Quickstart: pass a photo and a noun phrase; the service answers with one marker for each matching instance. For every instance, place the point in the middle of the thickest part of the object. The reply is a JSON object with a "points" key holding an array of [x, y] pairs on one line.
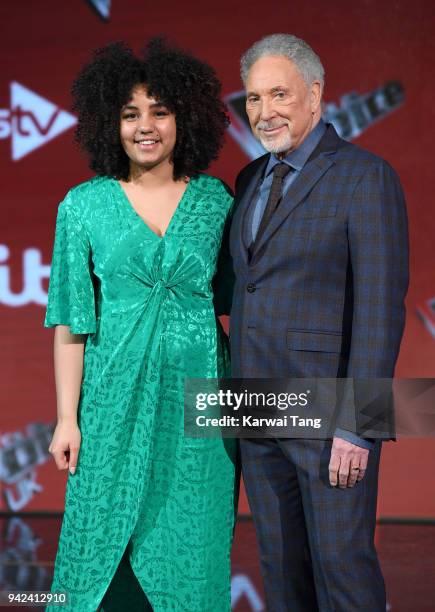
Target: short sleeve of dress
{"points": [[71, 299]]}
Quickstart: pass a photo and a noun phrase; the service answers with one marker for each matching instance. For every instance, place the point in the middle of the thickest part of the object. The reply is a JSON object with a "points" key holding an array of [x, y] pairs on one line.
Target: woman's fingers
{"points": [[73, 457], [59, 456], [65, 447]]}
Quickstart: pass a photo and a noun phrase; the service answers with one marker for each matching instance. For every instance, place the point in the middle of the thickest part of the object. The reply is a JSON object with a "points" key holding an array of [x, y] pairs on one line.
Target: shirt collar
{"points": [[297, 159]]}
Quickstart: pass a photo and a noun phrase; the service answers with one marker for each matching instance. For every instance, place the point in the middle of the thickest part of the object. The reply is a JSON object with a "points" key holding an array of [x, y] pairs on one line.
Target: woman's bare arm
{"points": [[68, 371]]}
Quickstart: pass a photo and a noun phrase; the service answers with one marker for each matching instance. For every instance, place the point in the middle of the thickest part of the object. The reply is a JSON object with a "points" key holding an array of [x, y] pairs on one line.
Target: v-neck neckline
{"points": [[142, 220]]}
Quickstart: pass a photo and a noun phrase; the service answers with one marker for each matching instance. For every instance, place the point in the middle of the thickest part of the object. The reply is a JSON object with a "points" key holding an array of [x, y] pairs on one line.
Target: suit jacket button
{"points": [[250, 287]]}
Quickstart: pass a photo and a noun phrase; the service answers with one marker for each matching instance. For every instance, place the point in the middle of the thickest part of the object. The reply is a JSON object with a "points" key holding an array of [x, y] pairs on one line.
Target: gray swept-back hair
{"points": [[295, 49]]}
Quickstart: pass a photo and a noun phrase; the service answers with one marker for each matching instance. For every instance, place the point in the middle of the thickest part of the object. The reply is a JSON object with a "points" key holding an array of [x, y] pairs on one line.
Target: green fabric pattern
{"points": [[147, 304]]}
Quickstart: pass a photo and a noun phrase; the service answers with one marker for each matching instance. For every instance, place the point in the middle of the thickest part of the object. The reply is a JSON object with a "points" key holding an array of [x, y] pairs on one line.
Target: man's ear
{"points": [[315, 95]]}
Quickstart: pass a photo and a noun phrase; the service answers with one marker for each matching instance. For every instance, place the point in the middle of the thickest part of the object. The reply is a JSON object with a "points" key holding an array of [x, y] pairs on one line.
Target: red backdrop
{"points": [[363, 46]]}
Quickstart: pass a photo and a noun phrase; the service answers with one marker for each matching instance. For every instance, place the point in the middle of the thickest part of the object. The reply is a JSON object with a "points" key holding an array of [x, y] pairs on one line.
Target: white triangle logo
{"points": [[35, 120], [102, 7], [241, 586]]}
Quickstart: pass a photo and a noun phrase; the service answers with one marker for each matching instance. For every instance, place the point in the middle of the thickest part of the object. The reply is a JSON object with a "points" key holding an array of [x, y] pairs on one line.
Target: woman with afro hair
{"points": [[149, 513]]}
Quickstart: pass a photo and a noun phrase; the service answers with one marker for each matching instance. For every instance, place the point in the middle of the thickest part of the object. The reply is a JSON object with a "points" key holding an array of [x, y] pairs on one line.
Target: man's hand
{"points": [[348, 463]]}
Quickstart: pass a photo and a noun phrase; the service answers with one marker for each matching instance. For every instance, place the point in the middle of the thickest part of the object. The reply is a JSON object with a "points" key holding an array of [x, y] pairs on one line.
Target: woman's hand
{"points": [[65, 445]]}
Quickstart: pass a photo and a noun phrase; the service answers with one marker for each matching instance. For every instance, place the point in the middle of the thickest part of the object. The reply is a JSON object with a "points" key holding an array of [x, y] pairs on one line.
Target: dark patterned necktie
{"points": [[280, 171]]}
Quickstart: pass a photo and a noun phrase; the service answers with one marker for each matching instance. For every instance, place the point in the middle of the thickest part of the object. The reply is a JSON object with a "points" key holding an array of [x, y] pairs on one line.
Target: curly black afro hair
{"points": [[187, 86]]}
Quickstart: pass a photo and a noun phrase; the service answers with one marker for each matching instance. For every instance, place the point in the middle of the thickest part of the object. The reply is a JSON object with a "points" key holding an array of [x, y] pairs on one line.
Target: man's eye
{"points": [[252, 100], [280, 94]]}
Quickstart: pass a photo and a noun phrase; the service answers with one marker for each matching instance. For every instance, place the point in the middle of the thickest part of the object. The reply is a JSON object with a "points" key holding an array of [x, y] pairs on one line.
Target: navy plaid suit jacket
{"points": [[323, 295]]}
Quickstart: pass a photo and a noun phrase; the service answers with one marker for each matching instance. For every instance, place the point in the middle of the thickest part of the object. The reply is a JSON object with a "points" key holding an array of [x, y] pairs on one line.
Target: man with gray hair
{"points": [[320, 253]]}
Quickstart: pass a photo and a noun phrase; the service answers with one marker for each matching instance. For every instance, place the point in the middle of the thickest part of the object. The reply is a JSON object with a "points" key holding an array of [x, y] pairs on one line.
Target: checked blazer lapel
{"points": [[319, 162], [247, 189]]}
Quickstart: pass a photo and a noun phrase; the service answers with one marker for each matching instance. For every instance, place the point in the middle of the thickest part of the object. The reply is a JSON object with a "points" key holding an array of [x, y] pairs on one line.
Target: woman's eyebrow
{"points": [[154, 104]]}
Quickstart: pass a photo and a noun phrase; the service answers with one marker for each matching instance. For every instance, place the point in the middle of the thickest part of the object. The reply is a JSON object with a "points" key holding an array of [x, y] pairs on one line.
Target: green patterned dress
{"points": [[147, 304]]}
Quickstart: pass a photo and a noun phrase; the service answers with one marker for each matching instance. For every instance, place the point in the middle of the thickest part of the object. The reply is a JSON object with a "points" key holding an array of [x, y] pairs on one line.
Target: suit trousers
{"points": [[316, 542]]}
